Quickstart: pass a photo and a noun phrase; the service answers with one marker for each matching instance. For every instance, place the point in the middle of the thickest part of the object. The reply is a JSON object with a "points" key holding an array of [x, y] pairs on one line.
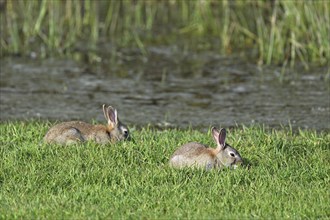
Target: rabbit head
{"points": [[116, 129], [227, 156]]}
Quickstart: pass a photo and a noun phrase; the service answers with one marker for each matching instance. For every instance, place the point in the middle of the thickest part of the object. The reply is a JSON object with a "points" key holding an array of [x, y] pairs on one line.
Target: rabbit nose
{"points": [[126, 134], [239, 161]]}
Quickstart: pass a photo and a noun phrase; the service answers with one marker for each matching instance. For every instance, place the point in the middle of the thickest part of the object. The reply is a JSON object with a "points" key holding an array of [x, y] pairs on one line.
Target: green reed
{"points": [[276, 32]]}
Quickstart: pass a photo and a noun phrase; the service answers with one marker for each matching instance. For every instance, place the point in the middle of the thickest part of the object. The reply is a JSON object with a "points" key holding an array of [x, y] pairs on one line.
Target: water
{"points": [[168, 88]]}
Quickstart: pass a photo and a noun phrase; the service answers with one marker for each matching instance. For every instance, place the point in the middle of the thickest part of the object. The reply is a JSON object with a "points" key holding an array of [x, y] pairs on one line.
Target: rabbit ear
{"points": [[112, 116], [215, 134], [105, 112], [220, 138]]}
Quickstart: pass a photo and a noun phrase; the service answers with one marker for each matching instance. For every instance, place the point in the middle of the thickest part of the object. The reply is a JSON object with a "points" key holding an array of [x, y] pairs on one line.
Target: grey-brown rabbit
{"points": [[199, 155], [78, 131]]}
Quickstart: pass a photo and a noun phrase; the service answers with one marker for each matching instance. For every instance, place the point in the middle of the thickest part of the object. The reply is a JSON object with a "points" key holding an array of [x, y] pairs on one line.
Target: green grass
{"points": [[287, 177], [272, 32]]}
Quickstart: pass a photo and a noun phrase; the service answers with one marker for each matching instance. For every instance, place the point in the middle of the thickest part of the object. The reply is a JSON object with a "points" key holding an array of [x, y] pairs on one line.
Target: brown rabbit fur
{"points": [[78, 131], [199, 155]]}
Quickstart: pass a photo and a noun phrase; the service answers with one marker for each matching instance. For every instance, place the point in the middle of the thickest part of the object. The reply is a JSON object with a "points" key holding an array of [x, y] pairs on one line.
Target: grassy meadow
{"points": [[286, 176], [272, 32]]}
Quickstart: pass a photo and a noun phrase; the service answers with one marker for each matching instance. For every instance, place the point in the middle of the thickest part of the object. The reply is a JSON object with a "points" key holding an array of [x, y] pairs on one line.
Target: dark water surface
{"points": [[166, 88]]}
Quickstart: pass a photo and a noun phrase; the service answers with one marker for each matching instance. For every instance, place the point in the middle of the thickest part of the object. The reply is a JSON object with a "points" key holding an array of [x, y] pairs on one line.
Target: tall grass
{"points": [[277, 32], [287, 177]]}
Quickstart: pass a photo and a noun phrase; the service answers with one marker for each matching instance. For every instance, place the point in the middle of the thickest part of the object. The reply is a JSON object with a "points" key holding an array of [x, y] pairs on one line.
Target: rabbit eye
{"points": [[232, 154]]}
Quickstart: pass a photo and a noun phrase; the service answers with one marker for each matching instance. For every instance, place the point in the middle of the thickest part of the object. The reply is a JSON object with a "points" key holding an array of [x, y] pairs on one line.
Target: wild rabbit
{"points": [[78, 131], [198, 155]]}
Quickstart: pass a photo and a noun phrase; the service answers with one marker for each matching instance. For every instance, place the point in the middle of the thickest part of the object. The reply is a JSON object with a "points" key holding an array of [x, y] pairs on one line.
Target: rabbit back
{"points": [[193, 154], [76, 131]]}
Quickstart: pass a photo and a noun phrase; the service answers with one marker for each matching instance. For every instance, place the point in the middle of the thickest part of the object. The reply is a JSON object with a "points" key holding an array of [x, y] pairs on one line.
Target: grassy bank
{"points": [[280, 32], [288, 177]]}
